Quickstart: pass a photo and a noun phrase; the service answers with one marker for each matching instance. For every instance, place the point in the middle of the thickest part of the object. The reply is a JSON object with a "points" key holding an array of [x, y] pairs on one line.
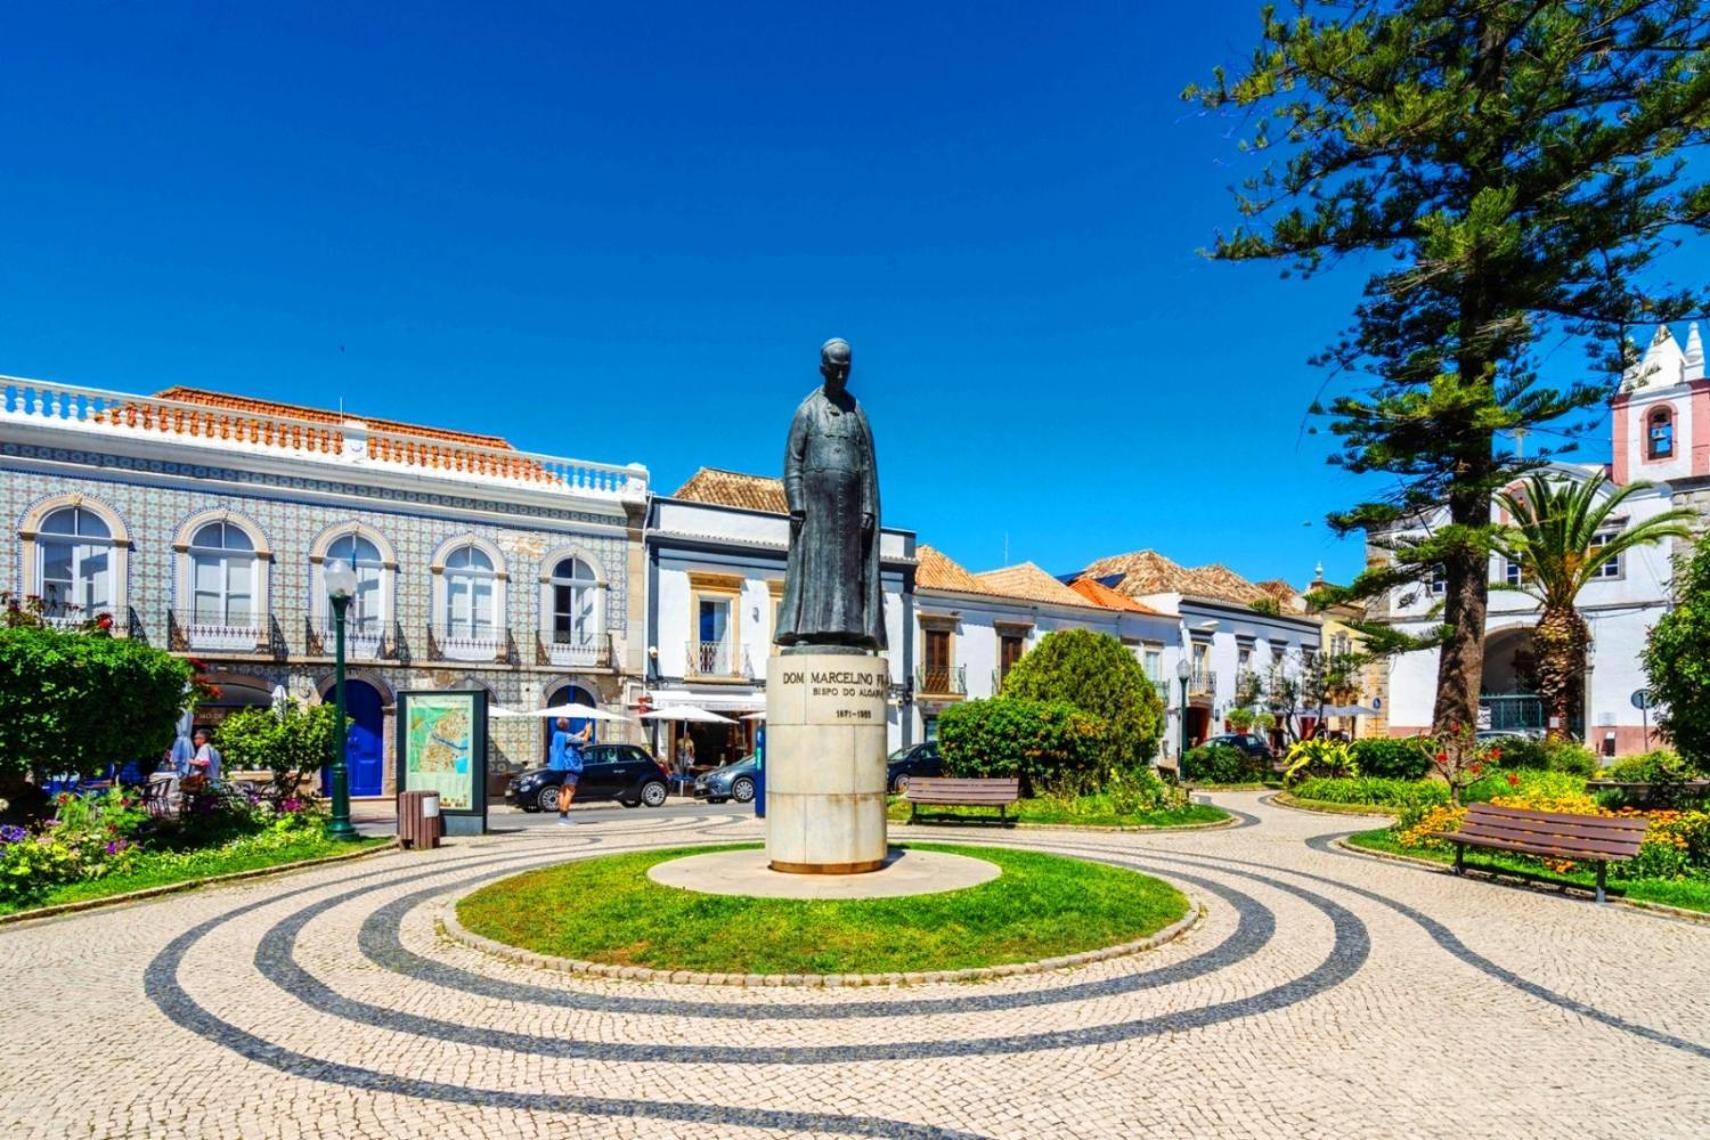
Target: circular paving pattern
{"points": [[1321, 995]]}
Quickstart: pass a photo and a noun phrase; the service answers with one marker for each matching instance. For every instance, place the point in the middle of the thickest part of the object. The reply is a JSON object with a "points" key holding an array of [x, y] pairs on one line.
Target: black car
{"points": [[916, 760], [621, 772], [1254, 746]]}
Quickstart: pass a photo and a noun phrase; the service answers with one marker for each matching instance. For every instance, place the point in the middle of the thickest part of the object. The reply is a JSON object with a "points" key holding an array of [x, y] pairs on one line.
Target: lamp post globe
{"points": [[1184, 673], [341, 587]]}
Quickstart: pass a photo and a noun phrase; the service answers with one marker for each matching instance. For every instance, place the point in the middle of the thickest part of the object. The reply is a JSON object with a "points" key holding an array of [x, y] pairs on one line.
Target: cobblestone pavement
{"points": [[1323, 995]]}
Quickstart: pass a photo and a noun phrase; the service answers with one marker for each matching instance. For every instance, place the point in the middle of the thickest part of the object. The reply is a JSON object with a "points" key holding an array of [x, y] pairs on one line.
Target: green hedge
{"points": [[1374, 790], [1221, 764], [1097, 674], [1546, 756], [1398, 758], [1051, 745]]}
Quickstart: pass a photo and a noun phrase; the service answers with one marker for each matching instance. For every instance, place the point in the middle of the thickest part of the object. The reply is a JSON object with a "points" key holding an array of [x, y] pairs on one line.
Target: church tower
{"points": [[1662, 421]]}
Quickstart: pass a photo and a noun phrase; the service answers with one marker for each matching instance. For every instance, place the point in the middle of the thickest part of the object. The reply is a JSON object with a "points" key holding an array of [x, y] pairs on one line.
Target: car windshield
{"points": [[899, 754]]}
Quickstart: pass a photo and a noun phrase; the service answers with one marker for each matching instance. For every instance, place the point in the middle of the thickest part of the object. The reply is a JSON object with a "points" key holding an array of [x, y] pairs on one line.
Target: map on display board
{"points": [[441, 739]]}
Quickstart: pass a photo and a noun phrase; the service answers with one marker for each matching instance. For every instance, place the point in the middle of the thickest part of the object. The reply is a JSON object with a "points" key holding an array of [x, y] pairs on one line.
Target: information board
{"points": [[442, 747]]}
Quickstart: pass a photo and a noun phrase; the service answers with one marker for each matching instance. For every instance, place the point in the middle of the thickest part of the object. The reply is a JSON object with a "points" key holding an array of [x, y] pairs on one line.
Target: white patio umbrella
{"points": [[687, 713], [755, 716], [574, 712]]}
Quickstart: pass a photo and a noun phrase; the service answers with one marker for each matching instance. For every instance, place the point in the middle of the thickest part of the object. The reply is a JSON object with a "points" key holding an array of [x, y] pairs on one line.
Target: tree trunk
{"points": [[1466, 599], [1560, 640]]}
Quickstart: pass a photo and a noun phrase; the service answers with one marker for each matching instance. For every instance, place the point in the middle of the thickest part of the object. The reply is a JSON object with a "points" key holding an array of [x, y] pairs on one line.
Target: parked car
{"points": [[915, 760], [731, 782], [622, 772], [1253, 745], [1490, 735]]}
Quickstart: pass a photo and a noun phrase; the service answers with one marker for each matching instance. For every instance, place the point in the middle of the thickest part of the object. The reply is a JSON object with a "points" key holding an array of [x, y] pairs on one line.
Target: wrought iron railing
{"points": [[1203, 683], [490, 643], [716, 659], [572, 651], [941, 680]]}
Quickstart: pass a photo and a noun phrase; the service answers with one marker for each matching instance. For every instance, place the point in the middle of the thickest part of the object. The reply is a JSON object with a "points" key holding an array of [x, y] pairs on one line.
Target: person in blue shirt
{"points": [[565, 756]]}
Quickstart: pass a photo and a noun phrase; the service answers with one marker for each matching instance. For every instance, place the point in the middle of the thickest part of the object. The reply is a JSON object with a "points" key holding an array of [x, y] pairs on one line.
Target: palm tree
{"points": [[1552, 533]]}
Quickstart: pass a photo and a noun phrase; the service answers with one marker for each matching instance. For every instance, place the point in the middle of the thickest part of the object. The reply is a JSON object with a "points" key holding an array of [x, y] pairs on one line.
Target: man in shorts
{"points": [[565, 756]]}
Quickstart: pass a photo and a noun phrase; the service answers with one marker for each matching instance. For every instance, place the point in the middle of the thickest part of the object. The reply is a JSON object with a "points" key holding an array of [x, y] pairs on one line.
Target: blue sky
{"points": [[620, 232]]}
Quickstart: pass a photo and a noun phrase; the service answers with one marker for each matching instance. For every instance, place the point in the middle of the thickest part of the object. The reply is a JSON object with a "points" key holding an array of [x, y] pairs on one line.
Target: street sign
{"points": [[1641, 699]]}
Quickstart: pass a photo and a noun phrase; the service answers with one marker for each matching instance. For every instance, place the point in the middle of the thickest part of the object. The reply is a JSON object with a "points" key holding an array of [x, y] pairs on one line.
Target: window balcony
{"points": [[1202, 685], [568, 651], [941, 680], [209, 633], [363, 641], [718, 659], [480, 644]]}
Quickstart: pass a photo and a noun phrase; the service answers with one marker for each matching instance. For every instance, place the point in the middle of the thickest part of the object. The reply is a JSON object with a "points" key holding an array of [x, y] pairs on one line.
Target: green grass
{"points": [[1083, 811], [606, 909], [160, 869], [1688, 894]]}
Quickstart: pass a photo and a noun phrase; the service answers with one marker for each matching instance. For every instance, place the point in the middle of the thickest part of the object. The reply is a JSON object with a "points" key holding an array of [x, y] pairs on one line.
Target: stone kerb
{"points": [[825, 762]]}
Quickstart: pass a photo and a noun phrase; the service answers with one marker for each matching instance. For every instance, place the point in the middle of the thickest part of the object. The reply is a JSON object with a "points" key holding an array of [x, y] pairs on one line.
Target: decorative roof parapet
{"points": [[237, 424]]}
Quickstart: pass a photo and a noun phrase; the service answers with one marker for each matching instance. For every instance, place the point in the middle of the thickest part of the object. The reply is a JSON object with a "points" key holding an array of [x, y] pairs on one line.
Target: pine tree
{"points": [[1518, 165]]}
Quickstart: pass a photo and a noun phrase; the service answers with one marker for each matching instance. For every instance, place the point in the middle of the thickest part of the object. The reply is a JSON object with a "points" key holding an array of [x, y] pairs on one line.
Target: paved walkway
{"points": [[1324, 995]]}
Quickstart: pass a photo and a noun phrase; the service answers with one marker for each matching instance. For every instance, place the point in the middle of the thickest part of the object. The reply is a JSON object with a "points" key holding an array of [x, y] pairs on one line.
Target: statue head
{"points": [[834, 357]]}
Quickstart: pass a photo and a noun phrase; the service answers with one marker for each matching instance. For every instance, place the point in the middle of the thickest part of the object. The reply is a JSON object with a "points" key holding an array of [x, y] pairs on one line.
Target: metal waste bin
{"points": [[419, 823]]}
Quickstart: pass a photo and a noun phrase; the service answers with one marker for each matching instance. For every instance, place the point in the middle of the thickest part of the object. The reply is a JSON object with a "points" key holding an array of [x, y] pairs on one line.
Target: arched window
{"points": [[574, 611], [469, 595], [74, 565], [223, 577], [365, 615], [1659, 433]]}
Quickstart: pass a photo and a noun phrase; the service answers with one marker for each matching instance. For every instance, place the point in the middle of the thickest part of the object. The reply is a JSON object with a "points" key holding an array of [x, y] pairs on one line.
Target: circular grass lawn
{"points": [[605, 909]]}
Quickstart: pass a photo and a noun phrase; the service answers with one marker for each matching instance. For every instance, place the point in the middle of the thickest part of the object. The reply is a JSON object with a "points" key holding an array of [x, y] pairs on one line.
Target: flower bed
{"points": [[106, 843]]}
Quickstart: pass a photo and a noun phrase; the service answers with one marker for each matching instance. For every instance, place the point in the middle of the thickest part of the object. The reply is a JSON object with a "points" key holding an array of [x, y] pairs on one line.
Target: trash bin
{"points": [[419, 823]]}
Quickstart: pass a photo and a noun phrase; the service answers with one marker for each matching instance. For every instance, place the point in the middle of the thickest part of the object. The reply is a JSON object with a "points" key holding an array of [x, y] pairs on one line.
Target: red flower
{"points": [[105, 621], [1442, 757], [1514, 779], [1496, 753]]}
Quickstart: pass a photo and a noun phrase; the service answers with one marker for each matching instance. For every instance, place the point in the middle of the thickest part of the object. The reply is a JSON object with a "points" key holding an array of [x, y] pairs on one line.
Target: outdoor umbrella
{"points": [[755, 716], [687, 713], [574, 712]]}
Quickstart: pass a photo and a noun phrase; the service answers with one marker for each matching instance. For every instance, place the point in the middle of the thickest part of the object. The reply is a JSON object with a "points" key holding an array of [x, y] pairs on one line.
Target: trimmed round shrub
{"points": [[1520, 752], [1393, 758], [1052, 745], [1220, 764], [1567, 756], [1096, 674]]}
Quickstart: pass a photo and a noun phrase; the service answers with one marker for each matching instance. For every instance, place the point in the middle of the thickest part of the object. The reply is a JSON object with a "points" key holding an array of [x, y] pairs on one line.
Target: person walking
{"points": [[565, 756]]}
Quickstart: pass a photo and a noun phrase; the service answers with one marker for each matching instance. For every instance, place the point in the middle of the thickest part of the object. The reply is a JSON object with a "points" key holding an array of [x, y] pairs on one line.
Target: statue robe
{"points": [[831, 587]]}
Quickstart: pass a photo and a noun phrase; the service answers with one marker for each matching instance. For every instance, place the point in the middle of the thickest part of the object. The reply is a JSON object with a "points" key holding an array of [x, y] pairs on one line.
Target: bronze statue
{"points": [[831, 482]]}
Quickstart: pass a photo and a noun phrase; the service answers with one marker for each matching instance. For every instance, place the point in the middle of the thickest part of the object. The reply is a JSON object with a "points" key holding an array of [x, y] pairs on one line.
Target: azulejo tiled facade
{"points": [[203, 523]]}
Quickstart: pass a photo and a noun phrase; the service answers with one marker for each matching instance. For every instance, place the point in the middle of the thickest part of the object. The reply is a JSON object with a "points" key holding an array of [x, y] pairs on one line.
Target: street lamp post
{"points": [[341, 587], [1184, 670]]}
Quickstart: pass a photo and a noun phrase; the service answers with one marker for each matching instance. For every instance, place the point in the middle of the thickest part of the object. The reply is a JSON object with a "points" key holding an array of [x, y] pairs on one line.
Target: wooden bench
{"points": [[944, 791], [1581, 838]]}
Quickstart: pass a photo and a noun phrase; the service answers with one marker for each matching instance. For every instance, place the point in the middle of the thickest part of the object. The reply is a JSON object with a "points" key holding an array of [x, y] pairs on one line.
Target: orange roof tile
{"points": [[937, 571], [1099, 594], [249, 406], [1029, 583], [1148, 572], [735, 489]]}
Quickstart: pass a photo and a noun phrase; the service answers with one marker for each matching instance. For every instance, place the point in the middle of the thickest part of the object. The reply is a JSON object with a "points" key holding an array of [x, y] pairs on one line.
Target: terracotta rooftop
{"points": [[1029, 583], [734, 489], [1148, 572], [1099, 594], [248, 406], [937, 571]]}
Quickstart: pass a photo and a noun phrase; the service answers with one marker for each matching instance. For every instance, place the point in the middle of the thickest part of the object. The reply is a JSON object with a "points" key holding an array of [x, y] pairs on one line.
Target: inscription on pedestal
{"points": [[825, 762]]}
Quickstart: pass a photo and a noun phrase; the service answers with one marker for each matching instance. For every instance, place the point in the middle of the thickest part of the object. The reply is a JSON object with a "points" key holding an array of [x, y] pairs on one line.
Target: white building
{"points": [[1224, 625], [974, 627], [1661, 434], [716, 552]]}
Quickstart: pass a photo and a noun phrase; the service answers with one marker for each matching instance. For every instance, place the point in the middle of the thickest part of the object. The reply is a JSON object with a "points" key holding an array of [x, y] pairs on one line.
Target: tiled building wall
{"points": [[154, 515]]}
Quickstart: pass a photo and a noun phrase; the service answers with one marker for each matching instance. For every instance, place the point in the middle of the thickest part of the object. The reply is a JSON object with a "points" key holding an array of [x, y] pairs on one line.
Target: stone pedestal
{"points": [[825, 763]]}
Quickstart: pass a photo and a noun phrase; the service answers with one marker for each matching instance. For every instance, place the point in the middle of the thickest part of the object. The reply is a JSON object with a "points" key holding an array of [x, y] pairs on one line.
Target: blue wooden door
{"points": [[363, 753]]}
